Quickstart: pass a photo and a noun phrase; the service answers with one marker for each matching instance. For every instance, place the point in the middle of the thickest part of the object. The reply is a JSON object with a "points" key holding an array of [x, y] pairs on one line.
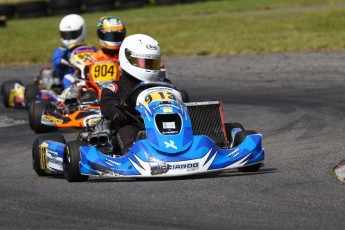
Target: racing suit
{"points": [[114, 94]]}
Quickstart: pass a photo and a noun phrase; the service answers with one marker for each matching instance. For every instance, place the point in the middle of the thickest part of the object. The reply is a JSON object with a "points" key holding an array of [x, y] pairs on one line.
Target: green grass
{"points": [[209, 28]]}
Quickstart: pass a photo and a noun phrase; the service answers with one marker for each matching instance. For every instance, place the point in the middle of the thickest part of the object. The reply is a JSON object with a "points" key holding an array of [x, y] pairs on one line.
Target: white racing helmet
{"points": [[140, 56], [72, 29]]}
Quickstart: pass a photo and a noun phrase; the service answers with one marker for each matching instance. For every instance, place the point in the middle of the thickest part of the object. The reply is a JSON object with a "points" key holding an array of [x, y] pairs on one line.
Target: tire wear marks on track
{"points": [[5, 121]]}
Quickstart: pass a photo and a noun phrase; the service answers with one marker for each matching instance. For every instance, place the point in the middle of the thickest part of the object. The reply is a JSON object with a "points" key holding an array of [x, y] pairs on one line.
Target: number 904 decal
{"points": [[104, 71]]}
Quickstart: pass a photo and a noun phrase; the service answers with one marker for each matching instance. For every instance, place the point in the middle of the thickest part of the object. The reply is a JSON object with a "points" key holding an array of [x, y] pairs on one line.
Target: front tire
{"points": [[38, 160], [239, 138], [71, 161]]}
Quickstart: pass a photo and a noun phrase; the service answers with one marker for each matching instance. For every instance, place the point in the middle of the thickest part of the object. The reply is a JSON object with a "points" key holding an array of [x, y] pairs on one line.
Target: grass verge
{"points": [[207, 28]]}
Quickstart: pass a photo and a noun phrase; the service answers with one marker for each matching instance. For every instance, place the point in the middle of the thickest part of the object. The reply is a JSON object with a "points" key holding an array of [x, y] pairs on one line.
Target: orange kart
{"points": [[77, 106]]}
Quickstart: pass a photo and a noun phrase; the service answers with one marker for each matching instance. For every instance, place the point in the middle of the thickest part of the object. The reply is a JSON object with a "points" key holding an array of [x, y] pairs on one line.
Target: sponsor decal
{"points": [[234, 153], [43, 156], [170, 144], [51, 119], [111, 163], [161, 168], [102, 170], [86, 50], [55, 160], [52, 153], [113, 87], [152, 47], [167, 110]]}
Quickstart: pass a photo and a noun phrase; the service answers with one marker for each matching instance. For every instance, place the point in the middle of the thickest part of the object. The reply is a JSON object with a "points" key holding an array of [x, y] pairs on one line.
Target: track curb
{"points": [[339, 171]]}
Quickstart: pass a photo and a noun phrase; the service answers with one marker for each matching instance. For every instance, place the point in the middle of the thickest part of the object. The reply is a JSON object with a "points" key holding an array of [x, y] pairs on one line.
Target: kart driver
{"points": [[140, 60], [73, 32], [110, 32]]}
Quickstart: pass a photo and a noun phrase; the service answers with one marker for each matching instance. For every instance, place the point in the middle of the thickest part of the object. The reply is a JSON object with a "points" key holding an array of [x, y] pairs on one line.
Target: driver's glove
{"points": [[118, 119], [64, 64]]}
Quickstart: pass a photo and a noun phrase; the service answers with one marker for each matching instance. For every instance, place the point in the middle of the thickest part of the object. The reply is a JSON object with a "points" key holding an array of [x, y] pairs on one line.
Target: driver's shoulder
{"points": [[111, 87]]}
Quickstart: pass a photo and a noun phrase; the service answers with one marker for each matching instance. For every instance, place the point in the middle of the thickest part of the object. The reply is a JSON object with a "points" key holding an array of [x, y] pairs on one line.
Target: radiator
{"points": [[207, 119]]}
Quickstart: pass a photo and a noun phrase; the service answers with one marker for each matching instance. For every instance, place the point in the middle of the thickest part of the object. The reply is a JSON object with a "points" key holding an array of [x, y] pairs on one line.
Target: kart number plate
{"points": [[159, 96], [103, 72]]}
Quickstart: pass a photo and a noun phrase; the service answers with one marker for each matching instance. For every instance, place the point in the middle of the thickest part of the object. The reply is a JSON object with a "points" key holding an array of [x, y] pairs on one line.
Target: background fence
{"points": [[34, 9]]}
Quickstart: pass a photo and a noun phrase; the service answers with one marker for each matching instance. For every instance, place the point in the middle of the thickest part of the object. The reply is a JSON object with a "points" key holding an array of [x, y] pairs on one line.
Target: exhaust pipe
{"points": [[100, 139]]}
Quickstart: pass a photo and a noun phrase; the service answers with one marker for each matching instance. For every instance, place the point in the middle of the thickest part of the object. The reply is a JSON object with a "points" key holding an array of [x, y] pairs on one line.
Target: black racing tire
{"points": [[5, 90], [131, 4], [35, 113], [229, 127], [99, 8], [71, 161], [33, 9], [36, 156], [36, 14], [64, 4], [98, 2], [31, 92], [65, 11], [166, 2], [185, 96], [8, 10], [239, 138], [192, 1], [33, 6]]}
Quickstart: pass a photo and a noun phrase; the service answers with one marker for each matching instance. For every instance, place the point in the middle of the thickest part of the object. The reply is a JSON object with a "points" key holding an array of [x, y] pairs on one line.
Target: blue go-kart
{"points": [[177, 139]]}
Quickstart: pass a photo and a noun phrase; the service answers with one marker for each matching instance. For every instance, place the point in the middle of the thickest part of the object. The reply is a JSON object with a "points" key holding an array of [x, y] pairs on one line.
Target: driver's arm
{"points": [[109, 99]]}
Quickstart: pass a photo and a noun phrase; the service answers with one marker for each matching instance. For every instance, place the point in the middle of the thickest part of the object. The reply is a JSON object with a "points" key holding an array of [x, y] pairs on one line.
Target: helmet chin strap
{"points": [[109, 51]]}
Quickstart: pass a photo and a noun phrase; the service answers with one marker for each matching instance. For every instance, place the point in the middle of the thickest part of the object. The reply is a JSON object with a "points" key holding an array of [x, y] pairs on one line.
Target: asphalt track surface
{"points": [[297, 102]]}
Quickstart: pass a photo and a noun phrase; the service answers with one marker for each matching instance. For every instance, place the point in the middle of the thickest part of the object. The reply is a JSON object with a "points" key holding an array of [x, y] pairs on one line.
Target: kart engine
{"points": [[100, 137]]}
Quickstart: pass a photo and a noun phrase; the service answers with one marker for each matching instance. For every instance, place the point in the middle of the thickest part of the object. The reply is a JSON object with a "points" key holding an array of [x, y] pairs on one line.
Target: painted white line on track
{"points": [[339, 171], [5, 121]]}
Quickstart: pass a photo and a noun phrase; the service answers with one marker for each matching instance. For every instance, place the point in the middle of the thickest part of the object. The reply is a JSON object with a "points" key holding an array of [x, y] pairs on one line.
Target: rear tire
{"points": [[36, 109], [32, 9], [239, 138], [185, 96], [64, 4], [166, 2], [8, 10], [36, 155], [71, 161], [31, 92], [228, 131], [5, 91], [131, 4], [99, 8]]}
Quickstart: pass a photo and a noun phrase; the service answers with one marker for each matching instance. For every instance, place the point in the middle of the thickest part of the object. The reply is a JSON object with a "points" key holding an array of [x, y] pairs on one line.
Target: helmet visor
{"points": [[69, 35], [142, 61], [111, 36]]}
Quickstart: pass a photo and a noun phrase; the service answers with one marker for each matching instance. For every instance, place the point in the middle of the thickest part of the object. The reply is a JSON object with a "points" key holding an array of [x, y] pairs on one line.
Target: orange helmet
{"points": [[110, 32]]}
